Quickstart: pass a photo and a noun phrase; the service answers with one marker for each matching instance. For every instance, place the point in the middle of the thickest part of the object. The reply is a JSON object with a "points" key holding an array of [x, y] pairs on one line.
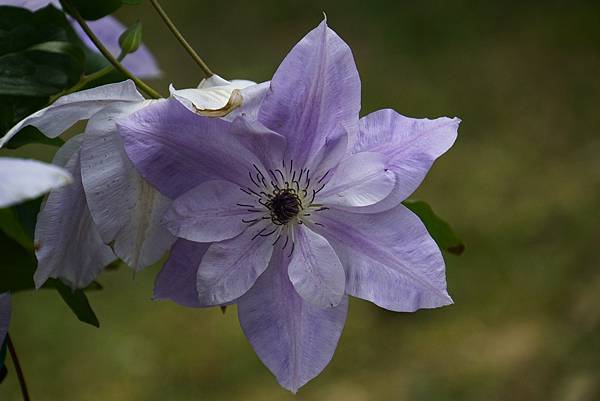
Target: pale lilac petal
{"points": [[67, 110], [108, 29], [360, 180], [293, 338], [410, 146], [213, 211], [177, 279], [32, 5], [22, 179], [229, 268], [389, 257], [124, 207], [176, 150], [315, 270], [68, 245], [315, 89], [5, 311]]}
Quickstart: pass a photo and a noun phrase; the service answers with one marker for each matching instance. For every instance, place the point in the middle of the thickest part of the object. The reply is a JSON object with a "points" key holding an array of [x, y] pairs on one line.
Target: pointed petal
{"points": [[229, 268], [315, 89], [213, 211], [315, 270], [67, 110], [108, 29], [68, 245], [5, 311], [293, 338], [124, 207], [177, 279], [176, 150], [389, 258], [22, 179], [360, 180], [410, 146]]}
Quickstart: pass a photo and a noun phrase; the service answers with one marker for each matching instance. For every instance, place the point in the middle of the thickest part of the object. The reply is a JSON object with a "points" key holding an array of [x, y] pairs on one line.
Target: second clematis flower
{"points": [[109, 211], [288, 211]]}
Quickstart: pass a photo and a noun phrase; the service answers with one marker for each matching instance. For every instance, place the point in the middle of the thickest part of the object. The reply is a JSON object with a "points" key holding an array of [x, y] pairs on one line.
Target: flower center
{"points": [[285, 205]]}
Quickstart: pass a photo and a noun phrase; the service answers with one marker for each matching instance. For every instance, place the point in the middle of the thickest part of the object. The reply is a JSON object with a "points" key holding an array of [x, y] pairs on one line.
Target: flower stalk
{"points": [[115, 62], [188, 48], [18, 369]]}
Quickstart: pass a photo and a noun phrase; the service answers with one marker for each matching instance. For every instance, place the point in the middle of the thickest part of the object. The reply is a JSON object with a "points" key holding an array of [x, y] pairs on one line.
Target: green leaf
{"points": [[132, 2], [78, 303], [17, 268], [131, 39], [441, 231], [95, 9], [10, 225], [39, 56]]}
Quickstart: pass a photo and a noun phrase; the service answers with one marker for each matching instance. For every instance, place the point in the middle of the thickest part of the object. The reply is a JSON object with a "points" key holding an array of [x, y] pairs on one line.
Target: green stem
{"points": [[86, 79], [207, 72], [118, 66], [20, 375]]}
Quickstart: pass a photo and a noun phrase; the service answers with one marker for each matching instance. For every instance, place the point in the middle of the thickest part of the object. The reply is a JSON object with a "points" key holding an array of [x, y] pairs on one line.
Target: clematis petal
{"points": [[22, 179], [210, 212], [5, 312], [177, 279], [410, 146], [108, 29], [176, 150], [67, 110], [229, 268], [315, 89], [292, 337], [124, 207], [360, 180], [32, 5], [315, 270], [68, 245], [389, 258]]}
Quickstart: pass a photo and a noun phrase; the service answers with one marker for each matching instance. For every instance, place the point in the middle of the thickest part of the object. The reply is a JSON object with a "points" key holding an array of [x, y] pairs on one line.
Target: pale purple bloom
{"points": [[109, 211], [288, 210], [142, 63]]}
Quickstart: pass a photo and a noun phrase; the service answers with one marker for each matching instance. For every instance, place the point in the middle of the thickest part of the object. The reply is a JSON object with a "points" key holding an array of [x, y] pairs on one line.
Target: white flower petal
{"points": [[66, 111], [22, 179], [124, 207]]}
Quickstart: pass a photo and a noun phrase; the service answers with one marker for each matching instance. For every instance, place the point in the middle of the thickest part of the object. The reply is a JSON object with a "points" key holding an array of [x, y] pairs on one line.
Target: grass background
{"points": [[521, 186]]}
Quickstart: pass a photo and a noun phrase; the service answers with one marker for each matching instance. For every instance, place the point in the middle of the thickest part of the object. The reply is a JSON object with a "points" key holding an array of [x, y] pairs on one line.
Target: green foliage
{"points": [[38, 58], [96, 9], [18, 263], [131, 39], [441, 231]]}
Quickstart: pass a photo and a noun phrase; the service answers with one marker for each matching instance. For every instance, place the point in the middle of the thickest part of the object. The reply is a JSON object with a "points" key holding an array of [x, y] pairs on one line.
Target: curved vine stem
{"points": [[18, 369], [207, 72], [118, 66]]}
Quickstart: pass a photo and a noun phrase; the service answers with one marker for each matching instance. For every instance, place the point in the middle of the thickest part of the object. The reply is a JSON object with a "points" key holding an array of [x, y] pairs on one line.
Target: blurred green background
{"points": [[521, 186]]}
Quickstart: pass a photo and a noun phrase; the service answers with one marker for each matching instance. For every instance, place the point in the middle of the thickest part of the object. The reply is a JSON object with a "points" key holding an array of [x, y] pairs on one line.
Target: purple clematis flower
{"points": [[287, 211], [108, 29]]}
